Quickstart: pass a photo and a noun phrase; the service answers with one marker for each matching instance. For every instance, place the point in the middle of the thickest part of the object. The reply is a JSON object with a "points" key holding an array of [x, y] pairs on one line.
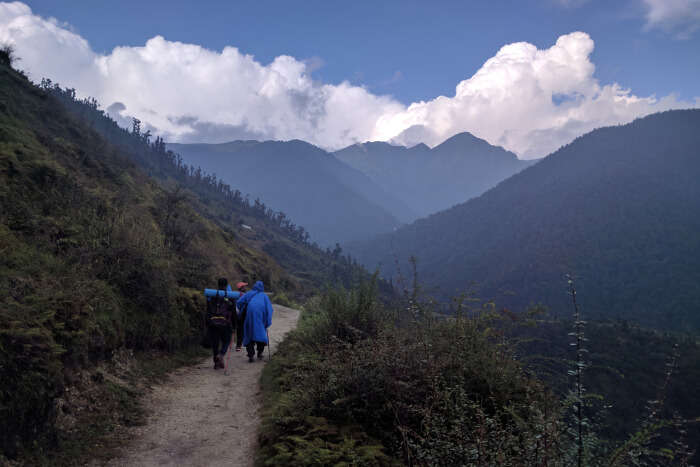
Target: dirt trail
{"points": [[202, 417]]}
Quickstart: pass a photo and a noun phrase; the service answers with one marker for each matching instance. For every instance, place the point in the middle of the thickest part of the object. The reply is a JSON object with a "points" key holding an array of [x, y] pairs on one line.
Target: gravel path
{"points": [[202, 417]]}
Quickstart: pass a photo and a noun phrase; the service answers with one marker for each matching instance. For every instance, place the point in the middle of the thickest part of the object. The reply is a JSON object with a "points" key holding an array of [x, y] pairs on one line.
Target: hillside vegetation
{"points": [[364, 383], [617, 207], [633, 369], [106, 241], [359, 383]]}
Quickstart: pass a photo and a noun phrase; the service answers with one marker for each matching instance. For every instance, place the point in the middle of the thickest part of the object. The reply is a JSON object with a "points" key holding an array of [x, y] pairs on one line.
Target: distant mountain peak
{"points": [[414, 135], [463, 138], [471, 145], [430, 180], [420, 147]]}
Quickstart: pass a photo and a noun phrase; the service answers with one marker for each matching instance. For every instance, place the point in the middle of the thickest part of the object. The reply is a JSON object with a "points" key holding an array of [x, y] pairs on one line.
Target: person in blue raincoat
{"points": [[258, 317]]}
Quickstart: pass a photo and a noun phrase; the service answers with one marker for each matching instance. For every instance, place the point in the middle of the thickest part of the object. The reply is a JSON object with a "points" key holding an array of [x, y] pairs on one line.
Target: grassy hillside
{"points": [[616, 207], [250, 222], [106, 241]]}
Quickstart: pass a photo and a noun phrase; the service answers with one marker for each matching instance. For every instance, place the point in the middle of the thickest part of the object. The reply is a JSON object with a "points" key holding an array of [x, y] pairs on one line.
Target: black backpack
{"points": [[220, 312]]}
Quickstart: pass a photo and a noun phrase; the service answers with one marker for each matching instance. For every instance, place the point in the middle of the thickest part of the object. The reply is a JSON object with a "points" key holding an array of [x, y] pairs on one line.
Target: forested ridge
{"points": [[106, 242], [333, 201], [270, 230], [616, 207]]}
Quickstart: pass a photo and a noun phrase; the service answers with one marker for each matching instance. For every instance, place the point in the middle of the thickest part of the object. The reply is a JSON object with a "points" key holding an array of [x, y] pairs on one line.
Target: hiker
{"points": [[241, 286], [258, 317], [220, 322]]}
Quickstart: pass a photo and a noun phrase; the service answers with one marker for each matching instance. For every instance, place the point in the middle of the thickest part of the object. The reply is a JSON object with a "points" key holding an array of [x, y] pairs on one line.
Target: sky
{"points": [[528, 76]]}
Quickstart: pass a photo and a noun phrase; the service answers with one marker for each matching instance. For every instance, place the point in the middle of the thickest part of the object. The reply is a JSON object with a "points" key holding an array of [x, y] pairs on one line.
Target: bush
{"points": [[424, 392], [348, 315], [282, 299]]}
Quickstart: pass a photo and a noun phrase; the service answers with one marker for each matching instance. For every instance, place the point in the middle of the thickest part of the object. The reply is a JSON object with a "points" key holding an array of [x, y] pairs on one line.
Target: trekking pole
{"points": [[269, 344]]}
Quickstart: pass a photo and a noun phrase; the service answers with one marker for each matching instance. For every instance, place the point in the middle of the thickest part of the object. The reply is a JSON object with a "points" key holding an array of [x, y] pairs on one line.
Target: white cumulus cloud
{"points": [[679, 17], [528, 100]]}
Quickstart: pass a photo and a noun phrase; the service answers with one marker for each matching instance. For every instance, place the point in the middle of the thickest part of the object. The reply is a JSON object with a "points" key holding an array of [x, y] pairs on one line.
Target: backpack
{"points": [[219, 312]]}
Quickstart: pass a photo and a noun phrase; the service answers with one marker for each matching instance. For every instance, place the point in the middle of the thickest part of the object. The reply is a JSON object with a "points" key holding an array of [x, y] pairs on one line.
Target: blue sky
{"points": [[528, 76], [414, 50]]}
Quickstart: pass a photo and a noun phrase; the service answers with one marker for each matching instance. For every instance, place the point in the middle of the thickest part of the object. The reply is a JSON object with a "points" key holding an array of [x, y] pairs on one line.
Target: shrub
{"points": [[282, 299], [423, 392]]}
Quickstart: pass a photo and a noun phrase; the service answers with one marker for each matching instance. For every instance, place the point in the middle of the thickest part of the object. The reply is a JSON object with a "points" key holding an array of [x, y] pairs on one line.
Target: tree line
{"points": [[164, 163]]}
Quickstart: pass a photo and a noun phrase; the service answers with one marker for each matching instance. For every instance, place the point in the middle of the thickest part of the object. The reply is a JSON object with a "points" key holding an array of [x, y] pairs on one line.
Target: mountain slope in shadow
{"points": [[334, 202], [618, 208]]}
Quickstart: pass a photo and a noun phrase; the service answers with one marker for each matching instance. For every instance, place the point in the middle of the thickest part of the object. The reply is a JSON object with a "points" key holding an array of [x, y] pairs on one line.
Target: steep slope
{"points": [[106, 241], [430, 180], [618, 208], [334, 202]]}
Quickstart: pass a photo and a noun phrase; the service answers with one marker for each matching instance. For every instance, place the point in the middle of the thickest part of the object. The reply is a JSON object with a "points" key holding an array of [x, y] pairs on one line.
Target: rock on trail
{"points": [[202, 417]]}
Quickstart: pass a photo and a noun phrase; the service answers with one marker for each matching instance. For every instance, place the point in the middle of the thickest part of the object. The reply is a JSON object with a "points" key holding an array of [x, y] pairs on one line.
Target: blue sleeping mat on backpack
{"points": [[221, 293]]}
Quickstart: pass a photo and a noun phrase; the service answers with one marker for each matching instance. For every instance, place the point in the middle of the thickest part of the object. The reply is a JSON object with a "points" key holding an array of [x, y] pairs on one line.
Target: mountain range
{"points": [[617, 208], [360, 191], [430, 180]]}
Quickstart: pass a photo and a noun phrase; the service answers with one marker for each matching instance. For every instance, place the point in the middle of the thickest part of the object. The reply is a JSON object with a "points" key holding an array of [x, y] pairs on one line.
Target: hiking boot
{"points": [[251, 359], [218, 363], [260, 356]]}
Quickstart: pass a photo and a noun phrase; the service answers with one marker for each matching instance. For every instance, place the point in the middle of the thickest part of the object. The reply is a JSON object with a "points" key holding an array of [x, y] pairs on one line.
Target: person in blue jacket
{"points": [[258, 317]]}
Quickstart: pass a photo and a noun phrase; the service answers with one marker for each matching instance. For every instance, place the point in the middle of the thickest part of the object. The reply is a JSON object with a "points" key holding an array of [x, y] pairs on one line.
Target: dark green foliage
{"points": [[7, 55], [424, 392], [83, 270], [618, 206], [419, 389], [627, 367]]}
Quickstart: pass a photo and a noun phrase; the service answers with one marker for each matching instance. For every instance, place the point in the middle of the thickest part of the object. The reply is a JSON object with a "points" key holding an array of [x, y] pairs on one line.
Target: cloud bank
{"points": [[525, 99], [678, 17]]}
